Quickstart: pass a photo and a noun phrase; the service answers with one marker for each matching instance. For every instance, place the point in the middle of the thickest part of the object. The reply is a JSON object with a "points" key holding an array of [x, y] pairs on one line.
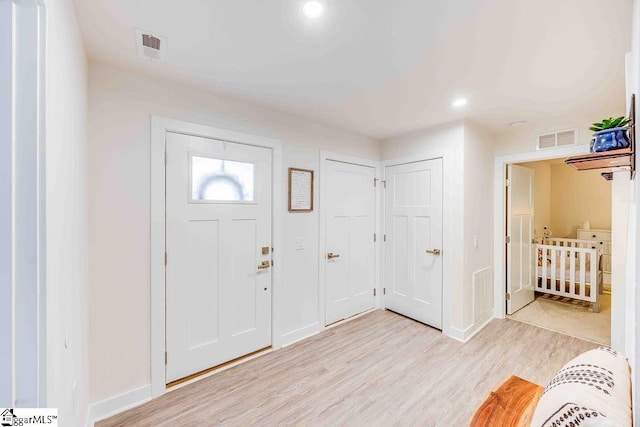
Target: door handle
{"points": [[265, 264], [331, 255], [433, 252]]}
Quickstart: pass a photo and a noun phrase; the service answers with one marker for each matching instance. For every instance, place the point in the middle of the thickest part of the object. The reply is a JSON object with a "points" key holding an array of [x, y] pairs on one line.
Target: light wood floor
{"points": [[379, 369]]}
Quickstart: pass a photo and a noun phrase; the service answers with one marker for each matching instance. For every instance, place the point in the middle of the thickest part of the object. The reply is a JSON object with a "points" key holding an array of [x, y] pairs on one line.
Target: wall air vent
{"points": [[151, 46], [557, 139]]}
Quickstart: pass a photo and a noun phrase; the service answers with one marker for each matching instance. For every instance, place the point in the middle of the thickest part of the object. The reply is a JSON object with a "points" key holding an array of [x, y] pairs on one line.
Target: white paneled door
{"points": [[520, 246], [218, 244], [413, 248], [350, 227]]}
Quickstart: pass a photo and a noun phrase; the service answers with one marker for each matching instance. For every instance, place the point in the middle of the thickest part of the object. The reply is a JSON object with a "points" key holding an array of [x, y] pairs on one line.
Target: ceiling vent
{"points": [[150, 46], [557, 139]]}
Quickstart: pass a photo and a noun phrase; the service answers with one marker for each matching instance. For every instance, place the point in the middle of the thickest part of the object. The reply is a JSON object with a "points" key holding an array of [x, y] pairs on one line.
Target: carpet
{"points": [[569, 316]]}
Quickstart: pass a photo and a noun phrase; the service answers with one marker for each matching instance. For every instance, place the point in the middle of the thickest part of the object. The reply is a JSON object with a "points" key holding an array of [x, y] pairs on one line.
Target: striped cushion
{"points": [[594, 389]]}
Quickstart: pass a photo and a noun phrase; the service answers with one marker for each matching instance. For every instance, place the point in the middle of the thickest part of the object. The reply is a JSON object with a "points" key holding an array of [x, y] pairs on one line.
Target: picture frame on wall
{"points": [[300, 190]]}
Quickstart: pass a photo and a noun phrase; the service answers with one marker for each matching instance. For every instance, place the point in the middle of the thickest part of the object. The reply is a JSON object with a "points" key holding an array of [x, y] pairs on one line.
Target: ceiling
{"points": [[382, 68]]}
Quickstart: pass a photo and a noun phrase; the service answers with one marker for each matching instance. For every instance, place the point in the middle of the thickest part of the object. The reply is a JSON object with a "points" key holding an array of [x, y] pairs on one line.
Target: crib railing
{"points": [[564, 267]]}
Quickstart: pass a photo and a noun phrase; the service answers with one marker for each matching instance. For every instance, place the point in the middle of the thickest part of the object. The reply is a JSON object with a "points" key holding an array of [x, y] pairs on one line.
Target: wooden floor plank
{"points": [[378, 369]]}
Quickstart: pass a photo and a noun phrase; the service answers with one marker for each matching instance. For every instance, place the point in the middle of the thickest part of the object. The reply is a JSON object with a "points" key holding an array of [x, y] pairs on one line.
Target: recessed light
{"points": [[313, 9], [517, 123], [459, 102]]}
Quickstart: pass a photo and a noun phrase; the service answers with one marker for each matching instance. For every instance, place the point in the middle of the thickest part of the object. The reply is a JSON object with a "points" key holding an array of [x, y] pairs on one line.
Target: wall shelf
{"points": [[625, 157]]}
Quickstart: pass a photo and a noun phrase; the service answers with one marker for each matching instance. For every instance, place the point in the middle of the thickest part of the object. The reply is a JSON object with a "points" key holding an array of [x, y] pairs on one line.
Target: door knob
{"points": [[265, 264], [331, 255], [433, 251]]}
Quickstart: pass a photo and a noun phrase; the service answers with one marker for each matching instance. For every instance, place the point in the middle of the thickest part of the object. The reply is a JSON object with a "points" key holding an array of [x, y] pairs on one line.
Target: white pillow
{"points": [[594, 389]]}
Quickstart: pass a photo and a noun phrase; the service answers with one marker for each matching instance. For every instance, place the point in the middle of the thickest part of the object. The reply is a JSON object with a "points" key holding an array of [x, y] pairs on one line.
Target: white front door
{"points": [[520, 246], [413, 227], [218, 234], [350, 227]]}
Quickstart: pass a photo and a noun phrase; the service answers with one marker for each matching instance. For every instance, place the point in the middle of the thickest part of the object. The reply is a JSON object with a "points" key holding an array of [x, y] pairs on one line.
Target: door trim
{"points": [[322, 238], [159, 127], [500, 214], [451, 248]]}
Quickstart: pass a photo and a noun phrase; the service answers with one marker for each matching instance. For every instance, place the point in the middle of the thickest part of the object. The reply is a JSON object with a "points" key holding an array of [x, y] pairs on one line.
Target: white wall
{"points": [[67, 247], [467, 153], [478, 211], [120, 107]]}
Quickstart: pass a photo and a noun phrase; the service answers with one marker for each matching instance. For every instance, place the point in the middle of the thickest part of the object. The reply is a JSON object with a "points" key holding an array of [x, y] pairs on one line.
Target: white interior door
{"points": [[218, 234], [413, 227], [520, 246], [350, 227]]}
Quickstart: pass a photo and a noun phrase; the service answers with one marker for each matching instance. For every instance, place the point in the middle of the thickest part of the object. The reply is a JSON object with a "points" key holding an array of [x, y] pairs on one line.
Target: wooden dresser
{"points": [[604, 236]]}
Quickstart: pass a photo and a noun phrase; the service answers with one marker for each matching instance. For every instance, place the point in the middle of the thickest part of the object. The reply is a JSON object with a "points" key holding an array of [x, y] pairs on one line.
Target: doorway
{"points": [[572, 209], [205, 209]]}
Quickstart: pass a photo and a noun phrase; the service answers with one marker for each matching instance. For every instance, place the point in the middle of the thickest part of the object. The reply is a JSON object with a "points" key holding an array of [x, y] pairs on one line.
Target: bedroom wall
{"points": [[542, 202], [67, 291], [120, 107], [577, 196]]}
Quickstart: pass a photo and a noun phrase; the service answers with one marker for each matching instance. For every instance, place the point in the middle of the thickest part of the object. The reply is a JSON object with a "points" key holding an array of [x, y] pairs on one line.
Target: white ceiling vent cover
{"points": [[150, 45], [557, 139]]}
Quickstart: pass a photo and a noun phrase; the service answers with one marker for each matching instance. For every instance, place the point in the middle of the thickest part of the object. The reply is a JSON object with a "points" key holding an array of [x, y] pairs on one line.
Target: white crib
{"points": [[570, 268]]}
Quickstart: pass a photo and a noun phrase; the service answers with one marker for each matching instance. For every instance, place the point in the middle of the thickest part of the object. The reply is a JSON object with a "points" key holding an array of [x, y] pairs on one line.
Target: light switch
{"points": [[298, 244]]}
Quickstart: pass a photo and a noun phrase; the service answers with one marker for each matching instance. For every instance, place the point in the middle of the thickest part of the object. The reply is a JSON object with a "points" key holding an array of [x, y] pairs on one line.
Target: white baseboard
{"points": [[300, 334], [464, 335], [116, 404]]}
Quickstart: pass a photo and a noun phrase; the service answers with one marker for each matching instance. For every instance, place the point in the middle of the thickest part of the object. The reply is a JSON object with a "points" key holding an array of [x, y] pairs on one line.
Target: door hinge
{"points": [[507, 182], [374, 292], [165, 158], [384, 184], [271, 263], [375, 182], [384, 291], [166, 358], [384, 237], [508, 296], [507, 239], [166, 258], [375, 237]]}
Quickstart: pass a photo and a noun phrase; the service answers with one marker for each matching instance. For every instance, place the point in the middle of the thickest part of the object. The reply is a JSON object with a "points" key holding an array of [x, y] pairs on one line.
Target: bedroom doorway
{"points": [[571, 251]]}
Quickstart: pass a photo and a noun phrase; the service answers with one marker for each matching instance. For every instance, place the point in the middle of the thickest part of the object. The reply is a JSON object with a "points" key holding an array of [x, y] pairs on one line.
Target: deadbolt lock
{"points": [[265, 250]]}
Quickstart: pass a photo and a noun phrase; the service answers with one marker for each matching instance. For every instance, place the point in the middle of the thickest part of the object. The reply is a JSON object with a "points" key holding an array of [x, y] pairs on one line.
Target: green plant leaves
{"points": [[610, 123]]}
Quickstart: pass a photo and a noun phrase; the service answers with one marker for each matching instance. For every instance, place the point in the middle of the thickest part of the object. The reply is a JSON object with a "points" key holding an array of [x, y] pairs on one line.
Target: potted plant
{"points": [[610, 134]]}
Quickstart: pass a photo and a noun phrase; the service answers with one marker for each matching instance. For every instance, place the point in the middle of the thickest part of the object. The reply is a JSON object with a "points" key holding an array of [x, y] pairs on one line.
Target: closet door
{"points": [[413, 228]]}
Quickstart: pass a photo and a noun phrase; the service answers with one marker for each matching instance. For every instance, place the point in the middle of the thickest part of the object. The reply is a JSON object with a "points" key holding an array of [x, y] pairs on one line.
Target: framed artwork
{"points": [[300, 190]]}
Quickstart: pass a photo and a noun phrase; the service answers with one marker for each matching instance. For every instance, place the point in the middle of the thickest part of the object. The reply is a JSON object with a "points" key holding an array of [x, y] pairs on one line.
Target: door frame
{"points": [[322, 239], [450, 246], [159, 127], [23, 291], [500, 213]]}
